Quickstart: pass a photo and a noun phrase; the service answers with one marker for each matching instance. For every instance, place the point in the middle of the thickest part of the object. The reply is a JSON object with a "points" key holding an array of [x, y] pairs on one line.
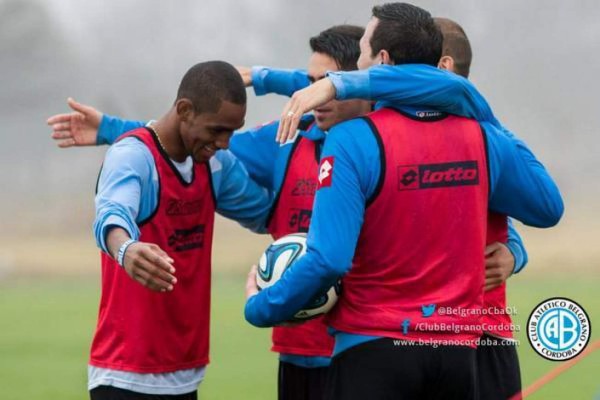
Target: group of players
{"points": [[400, 200]]}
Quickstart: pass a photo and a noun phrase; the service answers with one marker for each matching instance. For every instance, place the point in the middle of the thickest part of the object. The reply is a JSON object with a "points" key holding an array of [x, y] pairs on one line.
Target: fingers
{"points": [[82, 108], [492, 284], [489, 249], [59, 118], [284, 122], [63, 144], [153, 277], [144, 279], [61, 127], [290, 119], [151, 266], [60, 135], [246, 74], [251, 286]]}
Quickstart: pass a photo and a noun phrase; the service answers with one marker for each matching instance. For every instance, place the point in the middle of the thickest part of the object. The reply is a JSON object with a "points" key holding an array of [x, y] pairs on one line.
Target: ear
{"points": [[447, 63], [185, 109], [385, 57]]}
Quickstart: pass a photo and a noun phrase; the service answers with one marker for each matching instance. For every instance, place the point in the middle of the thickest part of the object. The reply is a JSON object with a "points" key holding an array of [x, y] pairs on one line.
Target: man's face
{"points": [[366, 58], [205, 133], [334, 111]]}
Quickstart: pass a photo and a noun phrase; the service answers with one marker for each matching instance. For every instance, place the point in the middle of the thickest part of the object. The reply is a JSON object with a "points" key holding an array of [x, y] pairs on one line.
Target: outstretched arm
{"points": [[87, 126], [78, 128], [238, 196], [273, 80], [410, 84]]}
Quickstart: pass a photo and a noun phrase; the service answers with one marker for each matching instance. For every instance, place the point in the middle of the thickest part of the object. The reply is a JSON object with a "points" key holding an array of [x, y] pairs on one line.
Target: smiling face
{"points": [[203, 134], [333, 111]]}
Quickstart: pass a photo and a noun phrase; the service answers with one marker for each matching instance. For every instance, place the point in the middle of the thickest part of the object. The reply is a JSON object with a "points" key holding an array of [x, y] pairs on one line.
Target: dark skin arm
{"points": [[146, 263]]}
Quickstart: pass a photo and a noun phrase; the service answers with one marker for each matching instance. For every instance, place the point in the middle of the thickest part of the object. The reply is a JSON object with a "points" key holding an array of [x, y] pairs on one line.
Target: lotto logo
{"points": [[325, 171], [299, 220], [429, 176]]}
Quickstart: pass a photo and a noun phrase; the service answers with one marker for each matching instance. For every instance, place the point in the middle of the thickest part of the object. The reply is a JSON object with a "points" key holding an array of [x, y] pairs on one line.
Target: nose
{"points": [[222, 141]]}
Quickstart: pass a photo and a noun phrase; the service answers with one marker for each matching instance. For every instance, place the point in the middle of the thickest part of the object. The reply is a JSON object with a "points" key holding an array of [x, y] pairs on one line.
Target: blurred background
{"points": [[536, 62]]}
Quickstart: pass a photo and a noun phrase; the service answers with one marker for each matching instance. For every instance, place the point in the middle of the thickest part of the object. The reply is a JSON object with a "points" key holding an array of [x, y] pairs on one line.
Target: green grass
{"points": [[46, 327]]}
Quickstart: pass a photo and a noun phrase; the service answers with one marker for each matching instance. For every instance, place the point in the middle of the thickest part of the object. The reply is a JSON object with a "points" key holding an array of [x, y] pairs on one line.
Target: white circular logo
{"points": [[559, 329]]}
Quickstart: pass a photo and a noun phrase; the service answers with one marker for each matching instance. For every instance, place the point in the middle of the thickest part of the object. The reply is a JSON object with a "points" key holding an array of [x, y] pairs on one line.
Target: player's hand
{"points": [[251, 286], [79, 128], [246, 74], [303, 101], [252, 290], [149, 265], [499, 265]]}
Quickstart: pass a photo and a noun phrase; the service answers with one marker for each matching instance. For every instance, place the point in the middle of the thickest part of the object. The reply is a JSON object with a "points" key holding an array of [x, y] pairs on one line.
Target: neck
{"points": [[167, 130]]}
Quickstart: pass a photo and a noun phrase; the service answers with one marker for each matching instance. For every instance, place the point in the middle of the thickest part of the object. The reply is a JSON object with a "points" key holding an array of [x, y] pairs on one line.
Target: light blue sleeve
{"points": [[516, 247], [112, 127], [127, 189], [338, 212], [520, 186], [281, 81], [238, 196], [258, 150], [414, 85]]}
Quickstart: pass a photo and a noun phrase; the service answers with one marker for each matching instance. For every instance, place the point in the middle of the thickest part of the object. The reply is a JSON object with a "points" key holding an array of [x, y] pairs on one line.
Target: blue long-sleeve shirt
{"points": [[394, 85], [424, 84], [339, 211], [128, 190]]}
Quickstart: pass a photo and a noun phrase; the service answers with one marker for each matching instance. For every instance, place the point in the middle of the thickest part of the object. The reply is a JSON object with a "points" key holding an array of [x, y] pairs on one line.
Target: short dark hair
{"points": [[456, 45], [340, 42], [408, 33], [207, 84]]}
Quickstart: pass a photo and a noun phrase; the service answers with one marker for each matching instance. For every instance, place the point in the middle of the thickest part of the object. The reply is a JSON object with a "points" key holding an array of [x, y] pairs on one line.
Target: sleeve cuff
{"points": [[351, 85], [104, 127], [258, 80], [111, 222], [520, 258]]}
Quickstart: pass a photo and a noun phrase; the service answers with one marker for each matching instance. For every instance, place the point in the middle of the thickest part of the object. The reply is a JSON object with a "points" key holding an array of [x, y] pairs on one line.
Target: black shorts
{"points": [[113, 393], [499, 374], [299, 383], [383, 370]]}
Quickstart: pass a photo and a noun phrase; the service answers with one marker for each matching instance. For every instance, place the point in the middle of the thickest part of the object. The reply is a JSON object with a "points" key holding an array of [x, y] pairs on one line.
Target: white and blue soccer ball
{"points": [[274, 262]]}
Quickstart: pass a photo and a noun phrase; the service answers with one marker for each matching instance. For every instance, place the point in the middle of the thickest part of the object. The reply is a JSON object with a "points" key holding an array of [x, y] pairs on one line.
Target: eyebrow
{"points": [[313, 79], [226, 128]]}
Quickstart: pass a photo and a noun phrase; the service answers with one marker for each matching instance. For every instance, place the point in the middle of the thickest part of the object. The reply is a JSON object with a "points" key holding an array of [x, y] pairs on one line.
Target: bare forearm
{"points": [[114, 239]]}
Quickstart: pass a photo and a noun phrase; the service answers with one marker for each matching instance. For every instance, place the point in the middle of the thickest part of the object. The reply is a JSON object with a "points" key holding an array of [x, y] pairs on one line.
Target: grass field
{"points": [[47, 326]]}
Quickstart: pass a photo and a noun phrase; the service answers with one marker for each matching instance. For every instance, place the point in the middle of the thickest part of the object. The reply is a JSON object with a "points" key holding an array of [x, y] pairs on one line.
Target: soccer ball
{"points": [[275, 261]]}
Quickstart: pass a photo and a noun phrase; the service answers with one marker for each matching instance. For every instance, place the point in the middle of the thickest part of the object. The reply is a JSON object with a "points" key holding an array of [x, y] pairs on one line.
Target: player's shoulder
{"points": [[129, 153], [350, 131]]}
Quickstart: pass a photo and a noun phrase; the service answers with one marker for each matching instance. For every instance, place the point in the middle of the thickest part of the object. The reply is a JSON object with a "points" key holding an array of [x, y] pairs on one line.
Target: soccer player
{"points": [[396, 191], [498, 371], [157, 194]]}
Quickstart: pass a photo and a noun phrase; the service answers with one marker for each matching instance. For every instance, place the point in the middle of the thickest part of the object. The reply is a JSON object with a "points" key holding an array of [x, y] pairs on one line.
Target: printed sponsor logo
{"points": [[430, 176], [299, 220], [187, 239], [182, 207], [304, 187], [325, 172], [428, 114]]}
